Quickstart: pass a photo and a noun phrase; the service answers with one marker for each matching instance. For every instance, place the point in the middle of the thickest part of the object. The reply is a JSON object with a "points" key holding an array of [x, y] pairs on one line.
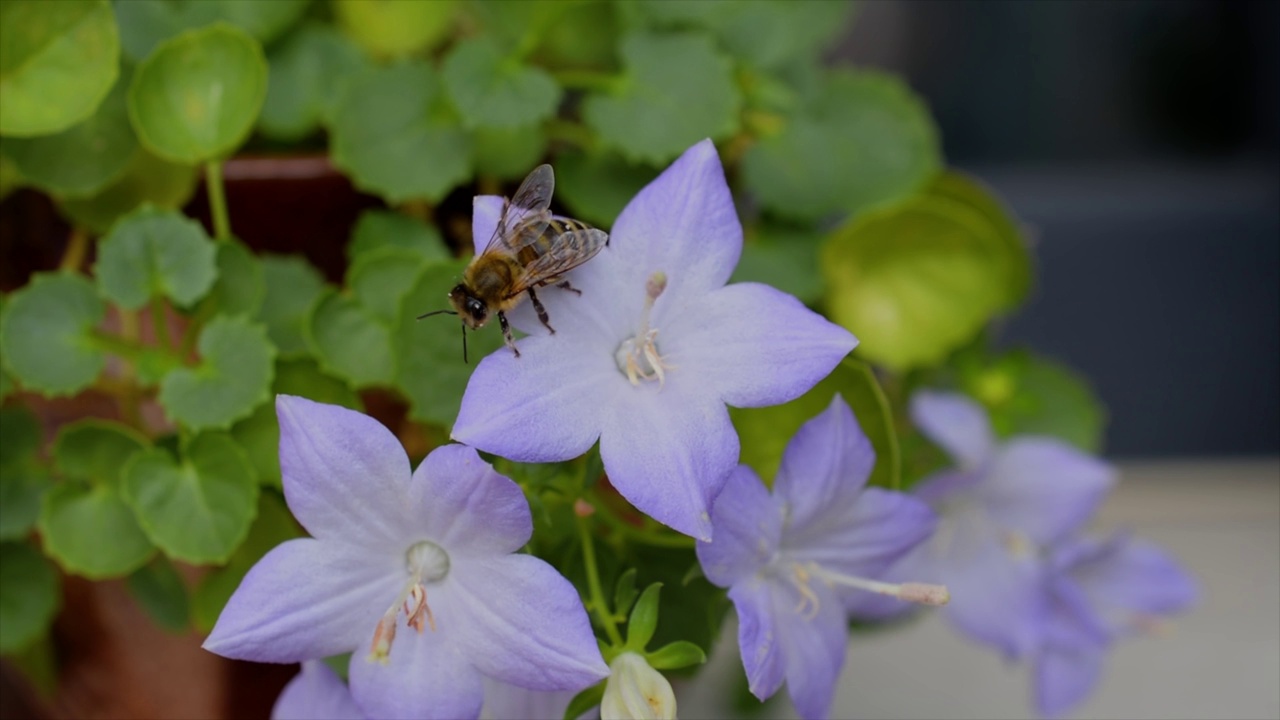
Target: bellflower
{"points": [[635, 691], [1100, 591], [648, 356], [1002, 505], [793, 558], [416, 574]]}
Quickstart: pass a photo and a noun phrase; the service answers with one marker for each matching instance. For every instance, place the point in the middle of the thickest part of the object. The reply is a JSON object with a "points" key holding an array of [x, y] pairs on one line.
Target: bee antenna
{"points": [[437, 312], [464, 343]]}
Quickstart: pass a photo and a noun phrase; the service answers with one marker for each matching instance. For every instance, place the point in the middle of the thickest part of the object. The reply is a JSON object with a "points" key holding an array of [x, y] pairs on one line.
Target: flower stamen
{"points": [[638, 356], [425, 562], [923, 593]]}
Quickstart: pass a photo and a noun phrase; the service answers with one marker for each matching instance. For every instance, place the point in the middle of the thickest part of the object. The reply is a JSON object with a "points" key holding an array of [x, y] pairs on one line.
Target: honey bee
{"points": [[530, 248]]}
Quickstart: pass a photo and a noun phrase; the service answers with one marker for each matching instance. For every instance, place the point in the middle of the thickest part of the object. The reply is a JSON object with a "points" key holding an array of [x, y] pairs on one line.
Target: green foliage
{"points": [[144, 24], [597, 187], [508, 153], [58, 60], [491, 90], [784, 257], [389, 29], [917, 280], [241, 283], [376, 229], [233, 376], [146, 179], [47, 334], [196, 97], [160, 590], [304, 68], [584, 702], [29, 596], [292, 287], [23, 481], [644, 618], [155, 253]]}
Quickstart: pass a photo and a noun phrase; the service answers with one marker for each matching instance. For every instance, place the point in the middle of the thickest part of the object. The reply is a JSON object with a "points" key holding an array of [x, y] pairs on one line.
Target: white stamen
{"points": [[638, 356], [923, 593], [425, 563]]}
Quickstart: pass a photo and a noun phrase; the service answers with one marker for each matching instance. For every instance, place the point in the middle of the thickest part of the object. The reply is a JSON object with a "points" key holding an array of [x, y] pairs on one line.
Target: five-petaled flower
{"points": [[416, 574], [794, 559], [647, 358]]}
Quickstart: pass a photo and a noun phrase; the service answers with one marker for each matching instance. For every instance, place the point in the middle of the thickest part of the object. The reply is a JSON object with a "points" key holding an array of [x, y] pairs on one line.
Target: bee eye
{"points": [[476, 308]]}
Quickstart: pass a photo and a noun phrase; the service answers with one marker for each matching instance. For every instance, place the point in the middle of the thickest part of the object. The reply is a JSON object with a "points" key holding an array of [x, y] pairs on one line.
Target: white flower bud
{"points": [[636, 691]]}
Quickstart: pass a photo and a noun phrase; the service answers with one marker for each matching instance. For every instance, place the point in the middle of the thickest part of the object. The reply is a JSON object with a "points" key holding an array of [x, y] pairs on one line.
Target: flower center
{"points": [[803, 573], [638, 357], [425, 563]]}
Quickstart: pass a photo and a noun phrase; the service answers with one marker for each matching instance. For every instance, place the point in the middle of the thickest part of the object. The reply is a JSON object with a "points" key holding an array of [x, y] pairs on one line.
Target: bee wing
{"points": [[566, 251], [525, 215]]}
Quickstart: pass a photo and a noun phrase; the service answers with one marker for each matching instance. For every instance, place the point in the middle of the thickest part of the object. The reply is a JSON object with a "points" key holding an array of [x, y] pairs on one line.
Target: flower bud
{"points": [[636, 691]]}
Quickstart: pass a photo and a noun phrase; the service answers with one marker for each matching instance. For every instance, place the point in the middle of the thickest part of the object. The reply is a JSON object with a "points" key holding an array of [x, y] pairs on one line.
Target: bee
{"points": [[530, 249]]}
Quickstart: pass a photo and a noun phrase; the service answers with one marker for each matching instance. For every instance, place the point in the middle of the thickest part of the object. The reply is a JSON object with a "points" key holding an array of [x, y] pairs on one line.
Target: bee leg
{"points": [[506, 333], [566, 286], [542, 312]]}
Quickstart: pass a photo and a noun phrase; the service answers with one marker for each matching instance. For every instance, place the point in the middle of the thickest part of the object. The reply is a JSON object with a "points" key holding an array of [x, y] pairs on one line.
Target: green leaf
{"points": [[96, 450], [386, 115], [47, 333], [428, 353], [304, 70], [864, 141], [198, 509], [597, 187], [624, 591], [380, 279], [917, 280], [159, 589], [147, 179], [676, 655], [786, 258], [644, 618], [272, 526], [29, 596], [350, 341], [583, 702], [241, 285], [293, 286], [58, 60], [677, 90], [765, 432], [154, 253], [508, 153], [382, 228], [388, 28], [493, 90], [144, 24], [83, 159], [19, 436], [233, 377], [582, 35], [23, 482], [196, 97]]}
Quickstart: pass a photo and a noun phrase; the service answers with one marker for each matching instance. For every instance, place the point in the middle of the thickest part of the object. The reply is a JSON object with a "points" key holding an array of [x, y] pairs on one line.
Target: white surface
{"points": [[1221, 660]]}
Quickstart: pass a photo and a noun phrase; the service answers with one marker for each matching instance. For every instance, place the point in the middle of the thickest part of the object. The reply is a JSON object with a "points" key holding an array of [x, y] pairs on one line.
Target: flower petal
{"points": [[669, 453], [996, 598], [504, 701], [757, 637], [345, 475], [486, 210], [826, 463], [543, 406], [466, 506], [813, 646], [1063, 678], [426, 676], [1139, 577], [684, 224], [755, 344], [316, 693], [1043, 488], [307, 599], [956, 424], [519, 621], [865, 537], [747, 523]]}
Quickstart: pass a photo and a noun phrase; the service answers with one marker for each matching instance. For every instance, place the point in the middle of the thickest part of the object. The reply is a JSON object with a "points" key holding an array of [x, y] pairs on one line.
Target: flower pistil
{"points": [[425, 563], [638, 356]]}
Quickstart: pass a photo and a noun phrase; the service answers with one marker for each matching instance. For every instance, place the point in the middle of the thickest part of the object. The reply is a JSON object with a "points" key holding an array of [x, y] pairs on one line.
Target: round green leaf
{"points": [[917, 280], [22, 481], [865, 140], [597, 187], [91, 532], [19, 436], [677, 90], [508, 153], [388, 28], [154, 253], [293, 287], [233, 377], [491, 90], [196, 97], [382, 228], [786, 258], [159, 589], [304, 70], [379, 280], [29, 596], [350, 341], [86, 157], [393, 133], [57, 62], [96, 450], [198, 509], [241, 284], [428, 353], [144, 24], [47, 334], [147, 179]]}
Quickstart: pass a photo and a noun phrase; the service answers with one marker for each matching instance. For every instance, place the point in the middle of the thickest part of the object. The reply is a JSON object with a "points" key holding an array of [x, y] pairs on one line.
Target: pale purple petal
{"points": [[345, 475], [826, 463], [956, 424], [486, 210], [1043, 488], [996, 597], [1139, 577], [544, 406], [747, 523], [466, 507], [519, 621], [669, 456], [426, 677], [757, 345], [504, 701], [813, 646], [866, 536], [1063, 678], [1072, 619], [936, 488], [307, 599], [316, 693], [757, 637]]}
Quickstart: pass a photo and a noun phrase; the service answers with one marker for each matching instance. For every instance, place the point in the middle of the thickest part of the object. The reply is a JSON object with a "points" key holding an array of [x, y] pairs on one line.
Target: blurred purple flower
{"points": [[1100, 591], [793, 559], [437, 546], [646, 359]]}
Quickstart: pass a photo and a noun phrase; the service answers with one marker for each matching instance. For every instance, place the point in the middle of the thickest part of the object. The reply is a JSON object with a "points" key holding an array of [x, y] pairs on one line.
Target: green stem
{"points": [[641, 536], [217, 200], [159, 322], [127, 398], [77, 248], [134, 351], [589, 80], [593, 583], [570, 132]]}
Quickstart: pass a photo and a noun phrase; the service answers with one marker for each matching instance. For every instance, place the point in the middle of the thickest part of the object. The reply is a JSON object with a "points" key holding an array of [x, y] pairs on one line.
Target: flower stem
{"points": [[640, 535], [217, 200], [159, 322], [570, 132], [593, 583], [590, 80], [77, 248]]}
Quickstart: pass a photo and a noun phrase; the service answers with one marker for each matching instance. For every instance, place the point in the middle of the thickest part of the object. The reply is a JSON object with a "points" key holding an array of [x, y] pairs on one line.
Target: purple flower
{"points": [[436, 546], [1001, 506], [793, 559], [1100, 591], [646, 359]]}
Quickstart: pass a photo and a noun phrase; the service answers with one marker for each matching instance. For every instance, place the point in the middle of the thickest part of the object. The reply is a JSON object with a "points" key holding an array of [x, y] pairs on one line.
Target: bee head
{"points": [[471, 309]]}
